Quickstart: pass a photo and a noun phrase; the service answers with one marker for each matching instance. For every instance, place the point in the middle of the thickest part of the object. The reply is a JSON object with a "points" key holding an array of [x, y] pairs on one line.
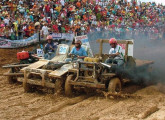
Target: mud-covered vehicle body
{"points": [[25, 58], [94, 73], [47, 73]]}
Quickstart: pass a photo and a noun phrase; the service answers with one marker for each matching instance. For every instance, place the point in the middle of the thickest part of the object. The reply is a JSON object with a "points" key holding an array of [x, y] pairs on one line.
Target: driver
{"points": [[115, 53], [50, 48], [77, 51]]}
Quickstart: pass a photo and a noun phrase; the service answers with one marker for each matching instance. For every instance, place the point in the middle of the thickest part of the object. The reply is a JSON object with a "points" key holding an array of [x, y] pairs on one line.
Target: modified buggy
{"points": [[49, 74], [93, 73]]}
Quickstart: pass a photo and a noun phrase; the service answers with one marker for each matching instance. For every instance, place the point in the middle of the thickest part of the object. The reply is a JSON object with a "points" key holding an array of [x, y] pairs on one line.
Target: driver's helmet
{"points": [[49, 37], [112, 41]]}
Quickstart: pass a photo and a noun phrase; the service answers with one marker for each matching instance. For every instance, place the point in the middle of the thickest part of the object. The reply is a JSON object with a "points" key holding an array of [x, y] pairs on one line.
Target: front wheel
{"points": [[58, 85], [11, 79], [27, 87], [114, 85], [68, 87]]}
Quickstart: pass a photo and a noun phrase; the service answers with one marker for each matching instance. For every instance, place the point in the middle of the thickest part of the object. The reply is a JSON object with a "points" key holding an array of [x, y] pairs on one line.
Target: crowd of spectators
{"points": [[22, 18]]}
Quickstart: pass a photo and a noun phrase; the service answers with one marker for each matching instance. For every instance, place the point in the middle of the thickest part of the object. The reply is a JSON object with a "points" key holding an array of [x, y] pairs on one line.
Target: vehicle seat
{"points": [[87, 49], [61, 53]]}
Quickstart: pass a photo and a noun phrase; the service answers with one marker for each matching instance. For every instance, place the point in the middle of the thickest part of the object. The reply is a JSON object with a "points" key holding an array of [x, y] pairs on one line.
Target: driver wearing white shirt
{"points": [[115, 53]]}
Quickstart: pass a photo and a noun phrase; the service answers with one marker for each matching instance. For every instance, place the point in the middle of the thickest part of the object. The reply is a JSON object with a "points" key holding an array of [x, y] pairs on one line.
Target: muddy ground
{"points": [[144, 102]]}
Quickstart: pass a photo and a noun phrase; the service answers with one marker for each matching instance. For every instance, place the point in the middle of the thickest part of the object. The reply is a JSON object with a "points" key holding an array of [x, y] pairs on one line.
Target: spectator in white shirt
{"points": [[45, 31]]}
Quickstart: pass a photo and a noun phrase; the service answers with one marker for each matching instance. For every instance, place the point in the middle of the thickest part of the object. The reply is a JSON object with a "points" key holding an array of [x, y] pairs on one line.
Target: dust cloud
{"points": [[147, 46]]}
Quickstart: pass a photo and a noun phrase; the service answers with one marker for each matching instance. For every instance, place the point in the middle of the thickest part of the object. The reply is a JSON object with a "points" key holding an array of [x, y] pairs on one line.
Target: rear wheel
{"points": [[114, 85], [68, 87]]}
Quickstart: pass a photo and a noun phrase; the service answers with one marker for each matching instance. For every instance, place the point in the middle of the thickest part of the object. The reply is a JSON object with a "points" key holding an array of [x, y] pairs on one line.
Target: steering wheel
{"points": [[73, 55], [110, 55]]}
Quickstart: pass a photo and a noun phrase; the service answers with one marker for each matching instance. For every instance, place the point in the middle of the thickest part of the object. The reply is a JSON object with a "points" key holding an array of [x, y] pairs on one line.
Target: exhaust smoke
{"points": [[147, 46]]}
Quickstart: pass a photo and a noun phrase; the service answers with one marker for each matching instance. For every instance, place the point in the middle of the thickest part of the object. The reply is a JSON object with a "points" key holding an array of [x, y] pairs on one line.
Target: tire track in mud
{"points": [[15, 104], [81, 110], [121, 111], [20, 101], [61, 105], [10, 93], [12, 99], [159, 115], [133, 108]]}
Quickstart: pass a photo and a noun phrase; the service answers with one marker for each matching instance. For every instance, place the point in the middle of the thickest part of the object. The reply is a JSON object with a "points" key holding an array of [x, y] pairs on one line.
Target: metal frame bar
{"points": [[101, 41]]}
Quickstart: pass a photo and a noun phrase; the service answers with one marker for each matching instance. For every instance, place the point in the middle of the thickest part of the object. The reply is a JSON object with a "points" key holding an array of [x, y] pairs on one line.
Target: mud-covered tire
{"points": [[114, 85], [27, 88], [10, 79], [58, 85], [68, 87]]}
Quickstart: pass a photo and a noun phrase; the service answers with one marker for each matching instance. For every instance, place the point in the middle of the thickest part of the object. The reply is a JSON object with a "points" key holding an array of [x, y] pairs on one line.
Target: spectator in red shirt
{"points": [[47, 10], [55, 28], [27, 31]]}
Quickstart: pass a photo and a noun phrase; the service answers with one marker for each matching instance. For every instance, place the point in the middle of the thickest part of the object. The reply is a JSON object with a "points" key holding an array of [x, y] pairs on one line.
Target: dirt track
{"points": [[15, 104]]}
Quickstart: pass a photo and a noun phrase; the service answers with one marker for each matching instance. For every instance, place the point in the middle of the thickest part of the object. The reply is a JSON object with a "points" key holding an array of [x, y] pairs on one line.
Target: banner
{"points": [[66, 36], [40, 52], [130, 48], [5, 43], [85, 44]]}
